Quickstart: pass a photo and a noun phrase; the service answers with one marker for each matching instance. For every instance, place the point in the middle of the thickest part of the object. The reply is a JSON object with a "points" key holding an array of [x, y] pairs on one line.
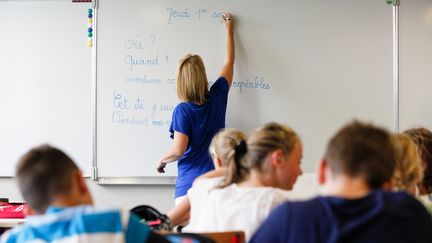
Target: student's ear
{"points": [[82, 186], [322, 170], [217, 162], [277, 158], [86, 197], [29, 211]]}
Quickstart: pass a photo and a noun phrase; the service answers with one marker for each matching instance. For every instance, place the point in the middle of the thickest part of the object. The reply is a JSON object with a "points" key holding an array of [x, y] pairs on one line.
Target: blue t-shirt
{"points": [[200, 123], [78, 224], [378, 217]]}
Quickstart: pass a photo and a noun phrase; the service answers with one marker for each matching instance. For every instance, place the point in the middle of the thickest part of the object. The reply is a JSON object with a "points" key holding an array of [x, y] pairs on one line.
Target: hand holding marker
{"points": [[228, 20], [226, 17]]}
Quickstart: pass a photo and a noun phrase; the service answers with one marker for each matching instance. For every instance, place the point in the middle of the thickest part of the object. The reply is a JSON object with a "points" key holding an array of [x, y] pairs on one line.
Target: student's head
{"points": [[223, 144], [360, 151], [422, 137], [192, 84], [408, 172], [272, 151], [47, 176]]}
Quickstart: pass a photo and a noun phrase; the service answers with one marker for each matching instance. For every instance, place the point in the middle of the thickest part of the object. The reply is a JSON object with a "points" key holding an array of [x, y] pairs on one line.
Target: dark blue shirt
{"points": [[200, 123], [378, 217]]}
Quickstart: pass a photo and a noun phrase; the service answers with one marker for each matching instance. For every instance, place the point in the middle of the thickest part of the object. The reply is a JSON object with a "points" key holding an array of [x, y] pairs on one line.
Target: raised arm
{"points": [[228, 67], [175, 152]]}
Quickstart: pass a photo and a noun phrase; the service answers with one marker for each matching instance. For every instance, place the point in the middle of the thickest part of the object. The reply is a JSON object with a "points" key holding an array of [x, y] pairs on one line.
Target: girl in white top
{"points": [[221, 149], [259, 171]]}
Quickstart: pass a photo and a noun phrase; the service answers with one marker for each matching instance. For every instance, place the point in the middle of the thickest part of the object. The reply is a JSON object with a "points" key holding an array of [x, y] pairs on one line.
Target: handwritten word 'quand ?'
{"points": [[141, 61]]}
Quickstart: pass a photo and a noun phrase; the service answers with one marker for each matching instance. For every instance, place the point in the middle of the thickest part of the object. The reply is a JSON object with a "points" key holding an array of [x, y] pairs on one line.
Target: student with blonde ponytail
{"points": [[262, 165], [221, 150]]}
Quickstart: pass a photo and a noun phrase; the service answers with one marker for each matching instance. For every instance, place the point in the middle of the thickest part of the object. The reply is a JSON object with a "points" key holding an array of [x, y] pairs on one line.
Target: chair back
{"points": [[226, 236]]}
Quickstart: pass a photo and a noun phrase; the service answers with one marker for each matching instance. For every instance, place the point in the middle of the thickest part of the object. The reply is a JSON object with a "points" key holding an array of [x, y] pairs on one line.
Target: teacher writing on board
{"points": [[199, 116]]}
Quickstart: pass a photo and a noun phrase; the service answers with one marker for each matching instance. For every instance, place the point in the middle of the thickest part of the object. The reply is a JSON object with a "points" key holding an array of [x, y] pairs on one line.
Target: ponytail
{"points": [[236, 171], [251, 154]]}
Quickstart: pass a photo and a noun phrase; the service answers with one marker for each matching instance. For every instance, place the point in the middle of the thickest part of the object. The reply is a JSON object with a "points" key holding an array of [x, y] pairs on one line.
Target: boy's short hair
{"points": [[362, 150], [43, 173]]}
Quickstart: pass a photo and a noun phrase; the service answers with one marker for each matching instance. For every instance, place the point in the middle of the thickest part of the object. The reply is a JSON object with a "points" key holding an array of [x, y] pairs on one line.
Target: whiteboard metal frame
{"points": [[396, 65], [94, 169], [142, 180]]}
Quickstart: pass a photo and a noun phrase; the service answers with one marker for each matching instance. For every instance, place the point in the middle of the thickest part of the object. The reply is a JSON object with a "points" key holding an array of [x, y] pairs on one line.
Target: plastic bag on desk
{"points": [[153, 218], [13, 210]]}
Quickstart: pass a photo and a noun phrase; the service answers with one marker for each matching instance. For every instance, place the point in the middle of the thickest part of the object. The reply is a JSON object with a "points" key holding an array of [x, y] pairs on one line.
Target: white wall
{"points": [[160, 197]]}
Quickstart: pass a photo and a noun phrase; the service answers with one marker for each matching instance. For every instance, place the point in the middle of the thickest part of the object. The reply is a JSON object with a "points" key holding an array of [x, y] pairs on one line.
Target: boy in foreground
{"points": [[57, 194], [358, 163]]}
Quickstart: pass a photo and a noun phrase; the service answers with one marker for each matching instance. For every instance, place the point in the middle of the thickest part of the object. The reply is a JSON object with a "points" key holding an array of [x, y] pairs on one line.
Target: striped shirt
{"points": [[78, 224]]}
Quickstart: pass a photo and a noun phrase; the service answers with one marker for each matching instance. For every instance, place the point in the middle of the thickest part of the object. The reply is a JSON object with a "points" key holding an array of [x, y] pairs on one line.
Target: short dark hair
{"points": [[362, 150], [422, 137], [43, 173]]}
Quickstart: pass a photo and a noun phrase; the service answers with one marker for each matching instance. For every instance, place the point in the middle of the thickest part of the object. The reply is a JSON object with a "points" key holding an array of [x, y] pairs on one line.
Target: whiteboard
{"points": [[45, 80], [310, 64], [415, 64]]}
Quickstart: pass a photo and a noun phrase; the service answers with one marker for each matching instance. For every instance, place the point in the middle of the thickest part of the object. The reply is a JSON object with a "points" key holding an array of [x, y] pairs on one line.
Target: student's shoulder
{"points": [[396, 201], [294, 207], [399, 199], [13, 235], [426, 200], [206, 184], [91, 211]]}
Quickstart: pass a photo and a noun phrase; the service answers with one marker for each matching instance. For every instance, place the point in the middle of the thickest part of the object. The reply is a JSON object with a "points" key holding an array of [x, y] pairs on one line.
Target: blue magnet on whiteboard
{"points": [[90, 30], [90, 16]]}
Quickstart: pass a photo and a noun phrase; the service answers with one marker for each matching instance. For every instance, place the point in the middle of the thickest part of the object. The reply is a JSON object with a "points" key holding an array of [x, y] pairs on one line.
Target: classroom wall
{"points": [[161, 197]]}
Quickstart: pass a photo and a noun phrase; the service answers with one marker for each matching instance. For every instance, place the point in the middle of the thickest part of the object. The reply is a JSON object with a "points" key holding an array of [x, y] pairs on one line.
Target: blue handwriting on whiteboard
{"points": [[171, 81], [119, 101], [256, 83], [174, 14], [143, 80], [139, 105], [134, 44], [139, 43], [201, 12], [141, 61], [119, 117], [250, 83]]}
